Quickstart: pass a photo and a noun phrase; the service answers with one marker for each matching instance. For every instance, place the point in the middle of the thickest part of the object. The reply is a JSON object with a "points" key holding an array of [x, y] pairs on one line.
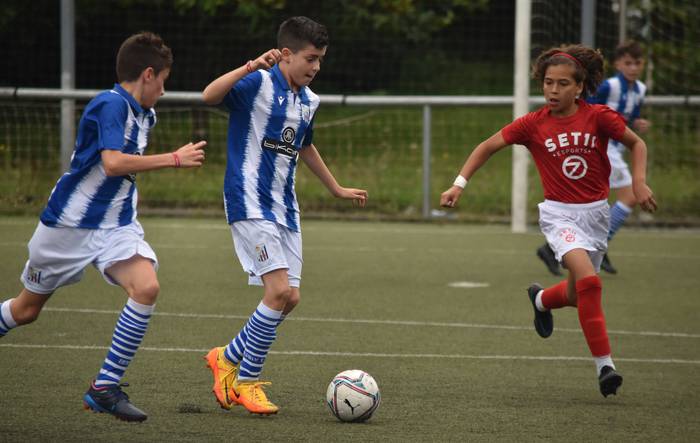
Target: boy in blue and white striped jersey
{"points": [[90, 217], [624, 93], [271, 119]]}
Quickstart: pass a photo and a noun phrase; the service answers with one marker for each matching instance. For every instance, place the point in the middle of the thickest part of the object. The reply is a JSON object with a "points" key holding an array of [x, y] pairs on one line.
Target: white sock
{"points": [[603, 361], [7, 322], [538, 302]]}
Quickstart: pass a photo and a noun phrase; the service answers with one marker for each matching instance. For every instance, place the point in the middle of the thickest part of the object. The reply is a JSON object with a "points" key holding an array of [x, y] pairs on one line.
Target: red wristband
{"points": [[177, 159], [249, 66]]}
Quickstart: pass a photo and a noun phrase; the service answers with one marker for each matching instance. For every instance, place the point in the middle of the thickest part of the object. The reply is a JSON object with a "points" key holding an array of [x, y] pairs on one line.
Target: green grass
{"points": [[488, 378], [378, 149]]}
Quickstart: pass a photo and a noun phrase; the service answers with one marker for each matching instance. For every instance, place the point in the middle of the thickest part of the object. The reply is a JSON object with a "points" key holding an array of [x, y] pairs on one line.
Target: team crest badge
{"points": [[261, 252], [306, 113], [289, 134], [569, 235], [34, 275]]}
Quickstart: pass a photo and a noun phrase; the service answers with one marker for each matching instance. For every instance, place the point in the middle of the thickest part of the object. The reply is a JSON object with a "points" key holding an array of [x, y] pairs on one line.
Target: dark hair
{"points": [[141, 51], [587, 62], [298, 32], [631, 48]]}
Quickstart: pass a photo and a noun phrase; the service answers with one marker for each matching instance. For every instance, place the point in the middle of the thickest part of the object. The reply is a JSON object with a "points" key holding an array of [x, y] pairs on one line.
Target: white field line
{"points": [[380, 322], [369, 354]]}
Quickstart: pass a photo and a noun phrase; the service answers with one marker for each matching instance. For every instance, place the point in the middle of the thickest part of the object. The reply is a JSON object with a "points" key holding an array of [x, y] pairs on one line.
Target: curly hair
{"points": [[588, 65]]}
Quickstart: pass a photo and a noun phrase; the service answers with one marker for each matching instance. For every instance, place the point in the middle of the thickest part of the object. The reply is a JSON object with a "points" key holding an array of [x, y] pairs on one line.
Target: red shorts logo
{"points": [[569, 235]]}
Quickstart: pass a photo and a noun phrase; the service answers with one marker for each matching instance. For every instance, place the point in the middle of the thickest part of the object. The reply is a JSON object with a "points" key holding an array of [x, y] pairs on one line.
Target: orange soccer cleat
{"points": [[250, 394], [224, 373]]}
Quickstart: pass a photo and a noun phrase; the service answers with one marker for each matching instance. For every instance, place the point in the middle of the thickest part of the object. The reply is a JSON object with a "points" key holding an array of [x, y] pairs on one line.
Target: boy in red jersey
{"points": [[568, 140]]}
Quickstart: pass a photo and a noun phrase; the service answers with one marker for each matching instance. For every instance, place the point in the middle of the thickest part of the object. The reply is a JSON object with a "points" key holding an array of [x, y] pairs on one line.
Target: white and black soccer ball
{"points": [[353, 395]]}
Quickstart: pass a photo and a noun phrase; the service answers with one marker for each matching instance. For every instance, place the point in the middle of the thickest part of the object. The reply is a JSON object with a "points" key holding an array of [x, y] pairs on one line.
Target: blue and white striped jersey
{"points": [[268, 125], [616, 94], [84, 197]]}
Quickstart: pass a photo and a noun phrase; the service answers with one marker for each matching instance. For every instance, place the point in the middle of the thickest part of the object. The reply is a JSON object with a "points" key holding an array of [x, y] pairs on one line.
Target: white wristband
{"points": [[460, 182]]}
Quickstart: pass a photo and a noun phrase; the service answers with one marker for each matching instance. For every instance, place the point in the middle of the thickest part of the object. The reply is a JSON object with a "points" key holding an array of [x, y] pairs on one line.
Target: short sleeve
{"points": [[518, 131], [601, 95], [610, 123], [243, 93], [111, 118]]}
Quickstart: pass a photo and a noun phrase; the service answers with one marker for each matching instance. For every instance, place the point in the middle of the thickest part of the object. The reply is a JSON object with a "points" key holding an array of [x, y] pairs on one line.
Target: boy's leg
{"points": [[547, 256], [251, 345], [138, 278], [23, 309], [224, 360], [591, 317], [619, 213], [621, 210]]}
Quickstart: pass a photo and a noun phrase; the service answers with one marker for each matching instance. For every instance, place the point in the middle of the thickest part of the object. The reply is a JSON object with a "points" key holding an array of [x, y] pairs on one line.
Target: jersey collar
{"points": [[624, 84], [279, 77]]}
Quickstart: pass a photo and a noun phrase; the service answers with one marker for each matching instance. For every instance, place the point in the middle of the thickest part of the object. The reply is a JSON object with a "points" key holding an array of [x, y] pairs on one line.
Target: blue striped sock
{"points": [[128, 334], [618, 215], [6, 320], [234, 351], [251, 345]]}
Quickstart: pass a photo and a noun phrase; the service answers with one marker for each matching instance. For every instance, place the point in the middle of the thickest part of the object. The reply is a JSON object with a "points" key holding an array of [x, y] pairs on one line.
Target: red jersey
{"points": [[571, 153]]}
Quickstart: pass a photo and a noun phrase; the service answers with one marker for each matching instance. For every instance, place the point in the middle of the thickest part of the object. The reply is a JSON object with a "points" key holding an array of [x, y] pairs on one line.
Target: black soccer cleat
{"points": [[546, 254], [112, 400], [609, 381], [606, 266], [544, 323]]}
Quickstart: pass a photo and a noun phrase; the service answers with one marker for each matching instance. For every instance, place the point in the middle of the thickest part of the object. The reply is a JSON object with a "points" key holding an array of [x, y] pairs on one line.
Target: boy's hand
{"points": [[449, 198], [358, 196], [191, 155], [267, 60], [644, 196], [641, 125]]}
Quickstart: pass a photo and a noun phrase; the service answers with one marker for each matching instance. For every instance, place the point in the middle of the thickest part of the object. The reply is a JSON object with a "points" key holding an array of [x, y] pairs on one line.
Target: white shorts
{"points": [[58, 256], [569, 226], [620, 176], [263, 246]]}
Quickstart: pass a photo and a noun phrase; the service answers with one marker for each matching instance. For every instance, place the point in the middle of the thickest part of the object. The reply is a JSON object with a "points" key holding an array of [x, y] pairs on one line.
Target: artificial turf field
{"points": [[452, 363]]}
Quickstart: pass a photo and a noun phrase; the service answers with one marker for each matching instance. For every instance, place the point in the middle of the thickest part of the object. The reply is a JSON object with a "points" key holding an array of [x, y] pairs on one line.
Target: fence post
{"points": [[67, 81], [521, 87], [588, 22], [622, 22], [427, 123]]}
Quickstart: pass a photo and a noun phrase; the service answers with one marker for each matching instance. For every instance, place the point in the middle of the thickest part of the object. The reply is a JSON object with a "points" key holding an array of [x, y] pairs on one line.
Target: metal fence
{"points": [[404, 149]]}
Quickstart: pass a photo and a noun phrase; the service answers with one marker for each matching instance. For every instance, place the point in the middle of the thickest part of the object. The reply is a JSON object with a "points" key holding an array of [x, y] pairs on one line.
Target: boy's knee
{"points": [[146, 293], [281, 294], [294, 298]]}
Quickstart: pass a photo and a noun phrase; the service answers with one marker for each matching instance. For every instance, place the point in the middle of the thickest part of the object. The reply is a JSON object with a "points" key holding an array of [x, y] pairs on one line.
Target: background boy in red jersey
{"points": [[568, 140]]}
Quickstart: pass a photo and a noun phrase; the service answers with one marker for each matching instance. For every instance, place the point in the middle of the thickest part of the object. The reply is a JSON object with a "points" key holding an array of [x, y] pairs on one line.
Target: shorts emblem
{"points": [[261, 252], [569, 235], [34, 275]]}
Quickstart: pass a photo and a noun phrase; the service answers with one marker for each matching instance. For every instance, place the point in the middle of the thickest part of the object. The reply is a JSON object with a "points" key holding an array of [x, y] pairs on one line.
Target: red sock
{"points": [[555, 297], [590, 315]]}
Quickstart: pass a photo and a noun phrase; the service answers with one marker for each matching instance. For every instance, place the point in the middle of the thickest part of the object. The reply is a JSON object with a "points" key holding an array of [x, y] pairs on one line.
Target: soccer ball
{"points": [[353, 395]]}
